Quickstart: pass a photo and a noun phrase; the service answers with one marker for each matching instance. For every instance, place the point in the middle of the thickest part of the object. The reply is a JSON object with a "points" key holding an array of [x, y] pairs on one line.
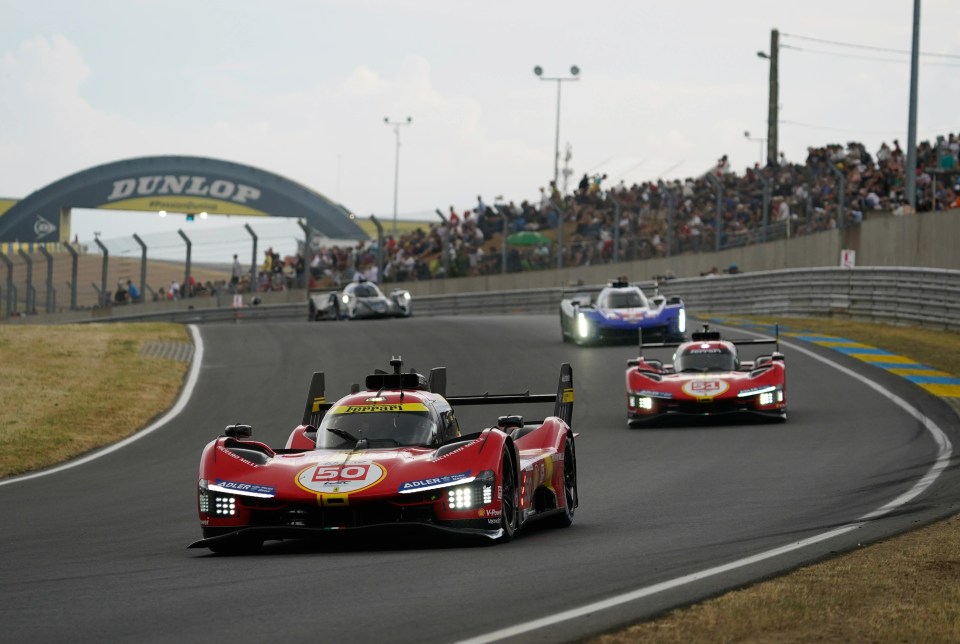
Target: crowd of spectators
{"points": [[604, 223]]}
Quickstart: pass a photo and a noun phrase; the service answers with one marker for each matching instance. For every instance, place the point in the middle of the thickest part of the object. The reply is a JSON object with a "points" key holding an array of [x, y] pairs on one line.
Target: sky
{"points": [[302, 88]]}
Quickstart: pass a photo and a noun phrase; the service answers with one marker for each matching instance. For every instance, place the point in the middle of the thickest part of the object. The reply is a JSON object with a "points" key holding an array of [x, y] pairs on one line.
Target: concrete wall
{"points": [[928, 240]]}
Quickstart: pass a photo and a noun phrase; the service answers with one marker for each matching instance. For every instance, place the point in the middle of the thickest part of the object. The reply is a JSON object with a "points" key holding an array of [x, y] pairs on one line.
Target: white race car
{"points": [[359, 300]]}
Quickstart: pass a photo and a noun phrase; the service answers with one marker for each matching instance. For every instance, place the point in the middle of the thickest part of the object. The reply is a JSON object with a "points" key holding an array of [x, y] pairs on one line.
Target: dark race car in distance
{"points": [[391, 456], [619, 312], [707, 378]]}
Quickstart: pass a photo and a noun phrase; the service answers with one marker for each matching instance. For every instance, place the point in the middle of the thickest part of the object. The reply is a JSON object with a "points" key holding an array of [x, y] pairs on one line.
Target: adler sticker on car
{"points": [[430, 483], [250, 489]]}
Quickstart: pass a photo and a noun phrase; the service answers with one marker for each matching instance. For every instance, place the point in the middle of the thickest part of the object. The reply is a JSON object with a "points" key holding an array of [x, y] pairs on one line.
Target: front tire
{"points": [[510, 499], [565, 518]]}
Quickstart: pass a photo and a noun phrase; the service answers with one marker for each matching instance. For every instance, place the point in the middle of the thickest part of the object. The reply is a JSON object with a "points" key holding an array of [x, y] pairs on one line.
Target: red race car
{"points": [[707, 378], [391, 455]]}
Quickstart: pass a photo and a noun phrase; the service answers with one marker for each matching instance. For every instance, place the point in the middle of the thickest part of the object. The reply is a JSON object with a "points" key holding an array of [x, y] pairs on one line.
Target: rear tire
{"points": [[565, 518]]}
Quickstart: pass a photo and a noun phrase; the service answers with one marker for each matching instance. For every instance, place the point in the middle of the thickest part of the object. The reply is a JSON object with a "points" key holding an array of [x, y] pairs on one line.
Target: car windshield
{"points": [[705, 359], [622, 300], [344, 426], [366, 290]]}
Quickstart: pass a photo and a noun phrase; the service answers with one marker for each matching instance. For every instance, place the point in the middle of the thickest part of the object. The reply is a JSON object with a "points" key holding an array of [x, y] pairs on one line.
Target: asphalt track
{"points": [[668, 515]]}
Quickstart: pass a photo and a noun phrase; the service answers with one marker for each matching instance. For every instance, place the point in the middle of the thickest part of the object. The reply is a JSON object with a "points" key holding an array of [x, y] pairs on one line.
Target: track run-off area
{"points": [[668, 515]]}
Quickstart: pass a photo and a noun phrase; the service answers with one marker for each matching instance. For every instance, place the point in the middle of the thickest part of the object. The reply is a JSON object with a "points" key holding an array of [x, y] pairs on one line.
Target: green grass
{"points": [[70, 389]]}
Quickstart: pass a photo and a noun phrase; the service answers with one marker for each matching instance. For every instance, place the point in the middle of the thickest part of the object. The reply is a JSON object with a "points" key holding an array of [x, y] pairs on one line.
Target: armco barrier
{"points": [[899, 296]]}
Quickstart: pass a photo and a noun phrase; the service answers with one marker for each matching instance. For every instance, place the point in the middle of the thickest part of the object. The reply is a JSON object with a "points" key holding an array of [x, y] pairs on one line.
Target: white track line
{"points": [[185, 394], [945, 451]]}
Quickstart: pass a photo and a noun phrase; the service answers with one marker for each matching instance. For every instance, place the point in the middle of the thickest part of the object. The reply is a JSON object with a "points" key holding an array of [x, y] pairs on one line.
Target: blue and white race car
{"points": [[619, 313]]}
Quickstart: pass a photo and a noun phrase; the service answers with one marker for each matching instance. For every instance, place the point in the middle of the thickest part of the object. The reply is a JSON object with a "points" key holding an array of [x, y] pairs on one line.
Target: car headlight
{"points": [[643, 402], [346, 299], [682, 321], [583, 326], [216, 504], [473, 495], [765, 395]]}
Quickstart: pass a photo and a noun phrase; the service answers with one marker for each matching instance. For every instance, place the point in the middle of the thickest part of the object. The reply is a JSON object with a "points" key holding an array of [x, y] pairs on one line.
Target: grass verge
{"points": [[70, 389]]}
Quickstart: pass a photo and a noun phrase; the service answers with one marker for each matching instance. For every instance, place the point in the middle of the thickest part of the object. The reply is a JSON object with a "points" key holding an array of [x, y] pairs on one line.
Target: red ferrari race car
{"points": [[707, 378], [391, 455]]}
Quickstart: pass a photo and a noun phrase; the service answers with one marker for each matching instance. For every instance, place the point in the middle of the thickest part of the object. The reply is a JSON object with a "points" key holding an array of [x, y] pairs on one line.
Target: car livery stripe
{"points": [[936, 382], [379, 407]]}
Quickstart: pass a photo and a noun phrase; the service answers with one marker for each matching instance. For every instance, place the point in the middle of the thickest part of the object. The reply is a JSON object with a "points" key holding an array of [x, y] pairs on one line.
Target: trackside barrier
{"points": [[897, 296]]}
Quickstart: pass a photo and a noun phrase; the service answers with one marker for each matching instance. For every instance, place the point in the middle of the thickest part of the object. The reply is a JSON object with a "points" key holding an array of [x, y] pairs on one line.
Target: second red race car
{"points": [[707, 378], [391, 456]]}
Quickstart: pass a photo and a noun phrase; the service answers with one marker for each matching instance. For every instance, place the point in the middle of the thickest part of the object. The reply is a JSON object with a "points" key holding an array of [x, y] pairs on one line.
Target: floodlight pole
{"points": [[910, 170], [396, 125], [774, 95], [574, 72]]}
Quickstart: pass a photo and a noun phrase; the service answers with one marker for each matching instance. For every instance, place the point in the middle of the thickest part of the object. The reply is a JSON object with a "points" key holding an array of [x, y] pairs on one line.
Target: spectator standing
{"points": [[133, 292], [120, 297], [235, 273], [300, 268], [544, 200]]}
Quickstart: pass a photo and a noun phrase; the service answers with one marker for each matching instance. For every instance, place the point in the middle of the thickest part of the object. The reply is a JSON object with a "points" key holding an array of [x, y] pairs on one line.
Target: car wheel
{"points": [[510, 500], [565, 518], [313, 317]]}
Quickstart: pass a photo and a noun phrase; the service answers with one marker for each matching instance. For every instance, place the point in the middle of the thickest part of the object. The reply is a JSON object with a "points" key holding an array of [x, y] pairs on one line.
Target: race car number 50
{"points": [[340, 473], [340, 479]]}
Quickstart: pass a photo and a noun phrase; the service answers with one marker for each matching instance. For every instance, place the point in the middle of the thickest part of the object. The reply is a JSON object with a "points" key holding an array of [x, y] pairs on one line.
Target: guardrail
{"points": [[898, 296]]}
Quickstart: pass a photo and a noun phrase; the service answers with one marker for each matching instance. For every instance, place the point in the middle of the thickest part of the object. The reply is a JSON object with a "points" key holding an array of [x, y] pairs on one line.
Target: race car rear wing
{"points": [[563, 399], [317, 405], [707, 335]]}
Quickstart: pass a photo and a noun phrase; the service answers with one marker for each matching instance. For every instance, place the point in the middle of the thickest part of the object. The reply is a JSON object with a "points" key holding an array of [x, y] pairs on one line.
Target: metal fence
{"points": [[898, 296]]}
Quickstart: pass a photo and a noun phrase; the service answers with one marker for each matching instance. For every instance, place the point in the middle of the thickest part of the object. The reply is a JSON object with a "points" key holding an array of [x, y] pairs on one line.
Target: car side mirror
{"points": [[238, 431]]}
